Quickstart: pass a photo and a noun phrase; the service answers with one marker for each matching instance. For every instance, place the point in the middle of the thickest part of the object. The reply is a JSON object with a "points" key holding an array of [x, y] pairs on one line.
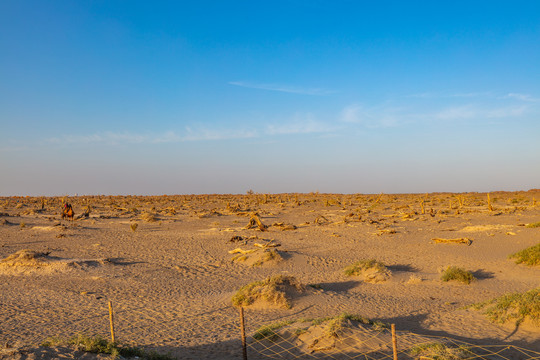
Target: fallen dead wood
{"points": [[465, 241], [255, 221], [240, 251], [321, 220], [267, 245], [284, 227]]}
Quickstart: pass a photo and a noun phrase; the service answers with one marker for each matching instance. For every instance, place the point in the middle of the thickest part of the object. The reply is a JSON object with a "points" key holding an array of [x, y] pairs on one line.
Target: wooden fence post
{"points": [[111, 319], [243, 333], [394, 341]]}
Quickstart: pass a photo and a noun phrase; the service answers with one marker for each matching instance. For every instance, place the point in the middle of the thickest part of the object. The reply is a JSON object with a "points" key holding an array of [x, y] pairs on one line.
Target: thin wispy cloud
{"points": [[282, 88], [204, 134], [434, 95], [7, 149], [389, 115], [190, 134], [476, 112], [300, 124], [100, 138], [522, 97], [373, 117]]}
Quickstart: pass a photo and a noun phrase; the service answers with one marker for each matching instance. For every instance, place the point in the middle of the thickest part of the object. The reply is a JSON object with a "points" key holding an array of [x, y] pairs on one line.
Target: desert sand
{"points": [[171, 277]]}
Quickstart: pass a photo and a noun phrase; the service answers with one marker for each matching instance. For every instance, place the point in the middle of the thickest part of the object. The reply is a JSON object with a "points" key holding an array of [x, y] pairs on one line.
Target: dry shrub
{"points": [[148, 217]]}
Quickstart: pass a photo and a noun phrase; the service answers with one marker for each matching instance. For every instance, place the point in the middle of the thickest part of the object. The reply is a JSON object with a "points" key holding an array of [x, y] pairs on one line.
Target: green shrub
{"points": [[359, 267], [453, 273], [515, 306], [99, 345], [529, 256]]}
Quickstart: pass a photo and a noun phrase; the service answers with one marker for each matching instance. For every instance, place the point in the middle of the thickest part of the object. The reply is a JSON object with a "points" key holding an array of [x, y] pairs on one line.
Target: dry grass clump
{"points": [[454, 273], [439, 351], [371, 270], [529, 256], [148, 217], [134, 226], [515, 306], [533, 225], [274, 291]]}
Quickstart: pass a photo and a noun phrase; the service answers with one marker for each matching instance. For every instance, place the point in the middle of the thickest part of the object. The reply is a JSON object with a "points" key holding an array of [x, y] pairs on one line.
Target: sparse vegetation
{"points": [[99, 345], [529, 256], [333, 326], [516, 306], [533, 225], [134, 226], [439, 351], [268, 331], [336, 324], [454, 273]]}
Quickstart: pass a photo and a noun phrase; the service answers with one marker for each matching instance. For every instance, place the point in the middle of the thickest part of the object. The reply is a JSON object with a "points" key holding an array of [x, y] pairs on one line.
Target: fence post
{"points": [[111, 319], [394, 340], [243, 333]]}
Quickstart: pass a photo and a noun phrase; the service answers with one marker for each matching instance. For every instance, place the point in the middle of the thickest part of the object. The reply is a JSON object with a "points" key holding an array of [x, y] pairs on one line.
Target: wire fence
{"points": [[346, 337], [340, 337]]}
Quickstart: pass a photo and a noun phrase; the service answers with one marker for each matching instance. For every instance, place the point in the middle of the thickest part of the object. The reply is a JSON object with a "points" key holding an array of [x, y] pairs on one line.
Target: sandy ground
{"points": [[171, 280]]}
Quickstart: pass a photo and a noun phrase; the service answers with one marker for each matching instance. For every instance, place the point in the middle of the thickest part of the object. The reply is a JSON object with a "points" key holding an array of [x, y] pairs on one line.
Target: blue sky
{"points": [[130, 97]]}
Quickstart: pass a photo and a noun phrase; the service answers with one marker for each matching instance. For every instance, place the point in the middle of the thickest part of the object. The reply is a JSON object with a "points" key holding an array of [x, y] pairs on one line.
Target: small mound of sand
{"points": [[371, 271], [274, 292], [26, 257], [29, 261], [258, 257]]}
